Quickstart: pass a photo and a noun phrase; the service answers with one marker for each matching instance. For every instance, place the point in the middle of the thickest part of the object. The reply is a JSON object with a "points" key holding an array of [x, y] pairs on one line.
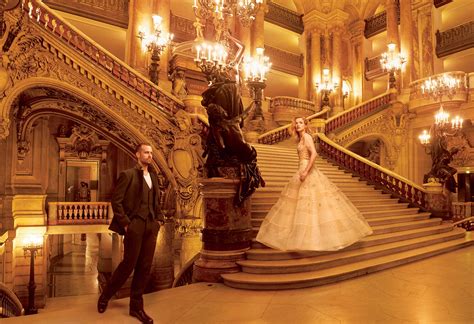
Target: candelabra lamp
{"points": [[326, 87], [435, 142], [255, 72], [155, 43], [32, 247], [346, 90], [392, 62]]}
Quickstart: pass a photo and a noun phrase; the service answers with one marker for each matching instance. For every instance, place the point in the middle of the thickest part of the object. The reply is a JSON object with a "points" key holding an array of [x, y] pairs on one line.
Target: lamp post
{"points": [[255, 71], [392, 62], [32, 246], [155, 43], [326, 87]]}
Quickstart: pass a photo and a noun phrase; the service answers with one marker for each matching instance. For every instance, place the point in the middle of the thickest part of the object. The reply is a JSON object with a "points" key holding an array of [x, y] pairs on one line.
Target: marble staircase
{"points": [[401, 234]]}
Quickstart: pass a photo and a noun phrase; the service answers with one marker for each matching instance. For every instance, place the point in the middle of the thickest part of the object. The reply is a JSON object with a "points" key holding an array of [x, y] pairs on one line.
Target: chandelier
{"points": [[246, 10], [214, 58], [441, 85], [392, 62]]}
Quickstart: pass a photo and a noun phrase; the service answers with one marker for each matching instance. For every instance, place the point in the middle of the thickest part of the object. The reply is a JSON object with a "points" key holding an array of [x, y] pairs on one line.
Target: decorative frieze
{"points": [[284, 17], [455, 39], [114, 12]]}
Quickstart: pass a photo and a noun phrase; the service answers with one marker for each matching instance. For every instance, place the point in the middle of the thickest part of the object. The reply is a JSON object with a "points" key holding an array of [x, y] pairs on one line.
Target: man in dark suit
{"points": [[138, 216]]}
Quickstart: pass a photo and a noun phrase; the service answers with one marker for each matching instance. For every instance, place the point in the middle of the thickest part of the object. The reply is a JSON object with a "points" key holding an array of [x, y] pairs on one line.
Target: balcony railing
{"points": [[183, 29], [373, 68], [79, 213], [440, 3], [455, 39], [282, 133], [463, 211], [378, 23], [285, 61], [49, 21], [358, 112], [373, 173], [284, 17]]}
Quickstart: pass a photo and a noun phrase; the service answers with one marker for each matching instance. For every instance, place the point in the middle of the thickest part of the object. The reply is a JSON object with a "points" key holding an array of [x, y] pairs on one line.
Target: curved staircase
{"points": [[401, 234]]}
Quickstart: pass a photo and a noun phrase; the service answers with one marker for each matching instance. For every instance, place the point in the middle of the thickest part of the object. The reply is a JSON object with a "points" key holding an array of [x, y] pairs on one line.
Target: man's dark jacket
{"points": [[127, 198]]}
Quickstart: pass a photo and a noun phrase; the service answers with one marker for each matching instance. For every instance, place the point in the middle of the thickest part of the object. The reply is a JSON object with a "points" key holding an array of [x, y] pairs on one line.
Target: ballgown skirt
{"points": [[313, 215]]}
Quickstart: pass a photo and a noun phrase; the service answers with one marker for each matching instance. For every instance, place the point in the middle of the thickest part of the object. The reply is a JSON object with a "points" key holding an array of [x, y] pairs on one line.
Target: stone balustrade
{"points": [[418, 99], [284, 61], [284, 109], [284, 17], [79, 213]]}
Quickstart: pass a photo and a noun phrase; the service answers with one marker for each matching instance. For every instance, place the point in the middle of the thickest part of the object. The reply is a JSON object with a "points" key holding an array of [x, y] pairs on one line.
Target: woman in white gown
{"points": [[312, 213]]}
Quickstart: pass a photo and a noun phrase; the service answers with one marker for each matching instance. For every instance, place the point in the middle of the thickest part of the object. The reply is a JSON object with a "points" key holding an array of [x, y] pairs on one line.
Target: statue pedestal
{"points": [[438, 201], [227, 232]]}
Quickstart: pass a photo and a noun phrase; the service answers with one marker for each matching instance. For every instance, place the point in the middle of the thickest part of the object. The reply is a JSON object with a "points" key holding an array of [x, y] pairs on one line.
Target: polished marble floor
{"points": [[435, 290]]}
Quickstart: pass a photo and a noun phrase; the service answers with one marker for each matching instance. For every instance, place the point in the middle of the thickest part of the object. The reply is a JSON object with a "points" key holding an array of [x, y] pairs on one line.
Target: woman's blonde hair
{"points": [[293, 131]]}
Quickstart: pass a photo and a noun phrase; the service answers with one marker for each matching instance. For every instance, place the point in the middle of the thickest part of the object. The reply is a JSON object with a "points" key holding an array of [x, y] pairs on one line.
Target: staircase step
{"points": [[325, 276], [376, 207], [258, 217], [391, 227], [391, 212], [261, 252], [317, 262]]}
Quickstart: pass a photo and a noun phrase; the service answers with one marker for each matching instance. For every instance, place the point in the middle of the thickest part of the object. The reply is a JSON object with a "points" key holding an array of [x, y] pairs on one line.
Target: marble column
{"points": [[257, 30], [357, 61], [163, 9], [392, 23], [336, 67], [315, 66], [140, 12], [227, 232], [406, 41]]}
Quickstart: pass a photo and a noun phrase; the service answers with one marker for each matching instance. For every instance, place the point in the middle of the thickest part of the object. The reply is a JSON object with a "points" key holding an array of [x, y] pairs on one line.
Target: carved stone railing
{"points": [[417, 98], [356, 113], [282, 133], [455, 39], [182, 28], [285, 61], [79, 213], [378, 23], [47, 20], [373, 173], [463, 211], [110, 12], [284, 109], [373, 68], [284, 17], [10, 305]]}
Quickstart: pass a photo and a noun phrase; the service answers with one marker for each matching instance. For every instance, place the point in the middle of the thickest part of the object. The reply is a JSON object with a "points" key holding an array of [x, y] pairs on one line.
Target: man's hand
{"points": [[126, 228]]}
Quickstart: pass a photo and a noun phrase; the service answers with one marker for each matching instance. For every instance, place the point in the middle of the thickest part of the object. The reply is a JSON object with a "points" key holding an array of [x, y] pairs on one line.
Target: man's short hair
{"points": [[139, 146]]}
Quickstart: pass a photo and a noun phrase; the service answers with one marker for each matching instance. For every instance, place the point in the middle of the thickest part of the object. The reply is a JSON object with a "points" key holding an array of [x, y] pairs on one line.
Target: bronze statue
{"points": [[225, 143]]}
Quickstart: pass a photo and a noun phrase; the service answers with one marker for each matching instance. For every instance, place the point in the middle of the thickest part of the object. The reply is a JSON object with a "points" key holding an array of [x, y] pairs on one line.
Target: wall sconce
{"points": [[392, 62], [346, 90], [155, 43], [32, 246], [255, 74], [326, 87]]}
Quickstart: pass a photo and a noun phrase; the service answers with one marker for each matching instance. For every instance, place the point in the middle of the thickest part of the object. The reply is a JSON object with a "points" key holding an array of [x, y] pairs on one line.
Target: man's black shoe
{"points": [[102, 303], [141, 316]]}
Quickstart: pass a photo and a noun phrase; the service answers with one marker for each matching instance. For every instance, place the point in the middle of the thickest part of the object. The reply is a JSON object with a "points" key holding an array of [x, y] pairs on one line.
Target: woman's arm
{"points": [[309, 144]]}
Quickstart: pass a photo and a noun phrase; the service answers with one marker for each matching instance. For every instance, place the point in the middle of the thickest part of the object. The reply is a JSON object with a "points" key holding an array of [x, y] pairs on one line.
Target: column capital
{"points": [[356, 29]]}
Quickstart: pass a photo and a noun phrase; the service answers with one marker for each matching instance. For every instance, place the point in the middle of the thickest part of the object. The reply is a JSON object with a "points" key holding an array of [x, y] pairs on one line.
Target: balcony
{"points": [[378, 23], [285, 18], [373, 68], [79, 213], [454, 40], [284, 61]]}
